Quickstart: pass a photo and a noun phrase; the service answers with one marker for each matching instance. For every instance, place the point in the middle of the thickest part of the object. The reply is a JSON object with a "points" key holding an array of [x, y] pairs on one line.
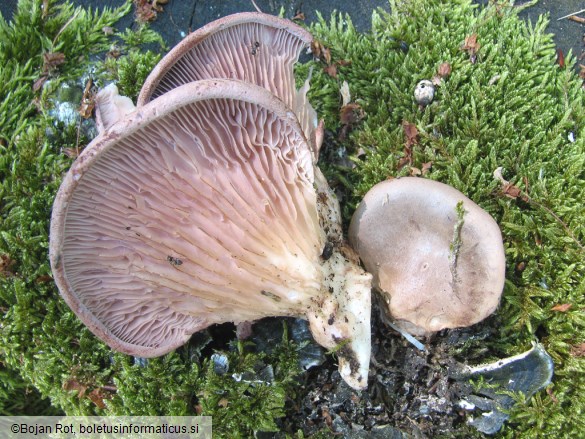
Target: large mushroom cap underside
{"points": [[436, 268], [196, 209]]}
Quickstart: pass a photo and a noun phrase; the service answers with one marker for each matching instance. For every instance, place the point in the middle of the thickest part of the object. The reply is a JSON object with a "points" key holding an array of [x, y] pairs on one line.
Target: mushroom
{"points": [[200, 208], [437, 258], [251, 46]]}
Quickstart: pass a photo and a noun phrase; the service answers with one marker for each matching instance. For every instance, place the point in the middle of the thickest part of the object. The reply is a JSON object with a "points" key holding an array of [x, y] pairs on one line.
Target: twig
{"points": [[65, 26], [255, 5], [571, 14]]}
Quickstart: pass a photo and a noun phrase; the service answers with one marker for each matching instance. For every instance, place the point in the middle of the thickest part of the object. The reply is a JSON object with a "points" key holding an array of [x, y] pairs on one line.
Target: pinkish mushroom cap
{"points": [[437, 258], [254, 47], [200, 208]]}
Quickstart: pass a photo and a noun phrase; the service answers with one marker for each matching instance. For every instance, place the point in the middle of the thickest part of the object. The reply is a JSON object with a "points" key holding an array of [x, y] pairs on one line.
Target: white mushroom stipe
{"points": [[202, 207]]}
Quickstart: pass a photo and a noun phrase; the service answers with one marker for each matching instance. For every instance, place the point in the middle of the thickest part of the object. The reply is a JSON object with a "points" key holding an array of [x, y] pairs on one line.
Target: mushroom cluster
{"points": [[204, 205]]}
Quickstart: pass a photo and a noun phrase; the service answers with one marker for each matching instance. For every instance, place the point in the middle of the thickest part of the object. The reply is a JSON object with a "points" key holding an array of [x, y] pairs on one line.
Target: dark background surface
{"points": [[181, 16]]}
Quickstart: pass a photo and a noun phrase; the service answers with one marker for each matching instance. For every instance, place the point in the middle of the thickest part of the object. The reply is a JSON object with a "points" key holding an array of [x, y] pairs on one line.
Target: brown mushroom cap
{"points": [[435, 267], [196, 209]]}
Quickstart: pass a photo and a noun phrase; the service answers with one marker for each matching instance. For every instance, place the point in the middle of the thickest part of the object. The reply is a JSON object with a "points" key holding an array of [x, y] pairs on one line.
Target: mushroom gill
{"points": [[253, 47], [200, 208]]}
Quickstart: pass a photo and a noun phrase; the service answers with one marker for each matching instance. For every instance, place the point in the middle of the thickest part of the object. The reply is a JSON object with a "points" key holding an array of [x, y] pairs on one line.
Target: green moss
{"points": [[511, 107]]}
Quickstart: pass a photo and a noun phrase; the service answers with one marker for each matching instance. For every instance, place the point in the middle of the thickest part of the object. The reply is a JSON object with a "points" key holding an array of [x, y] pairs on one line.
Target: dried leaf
{"points": [[321, 52], [223, 402], [578, 350], [87, 100], [316, 48], [97, 396], [444, 70], [471, 46], [73, 384], [562, 307], [52, 60], [331, 70], [560, 58], [552, 396], [345, 94], [6, 264], [327, 55], [299, 16], [145, 12], [326, 416], [72, 153], [426, 167], [43, 279], [410, 133], [351, 114], [38, 84], [108, 30], [582, 71], [415, 172]]}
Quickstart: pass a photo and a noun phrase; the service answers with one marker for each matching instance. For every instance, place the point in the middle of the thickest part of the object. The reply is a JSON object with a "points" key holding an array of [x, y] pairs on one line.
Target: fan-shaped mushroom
{"points": [[200, 208], [251, 46], [436, 256]]}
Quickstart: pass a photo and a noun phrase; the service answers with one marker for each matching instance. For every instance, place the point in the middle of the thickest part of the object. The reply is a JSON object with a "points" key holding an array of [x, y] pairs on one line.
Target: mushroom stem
{"points": [[111, 107], [341, 321]]}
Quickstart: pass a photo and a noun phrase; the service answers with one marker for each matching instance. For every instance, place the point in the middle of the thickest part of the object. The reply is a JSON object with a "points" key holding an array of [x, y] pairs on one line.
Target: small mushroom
{"points": [[424, 92], [437, 258], [200, 208]]}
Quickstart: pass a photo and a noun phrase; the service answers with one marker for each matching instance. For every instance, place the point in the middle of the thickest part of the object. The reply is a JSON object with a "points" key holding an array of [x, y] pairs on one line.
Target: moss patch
{"points": [[504, 104]]}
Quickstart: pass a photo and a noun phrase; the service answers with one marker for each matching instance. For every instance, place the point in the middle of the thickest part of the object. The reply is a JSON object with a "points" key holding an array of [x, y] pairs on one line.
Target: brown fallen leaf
{"points": [[560, 58], [38, 84], [73, 384], [471, 46], [578, 350], [223, 402], [145, 12], [43, 279], [52, 60], [6, 264], [415, 172], [331, 70], [299, 16], [351, 114], [444, 70], [582, 71], [552, 396], [410, 133], [87, 100], [410, 139], [564, 307], [426, 167], [97, 396], [321, 52]]}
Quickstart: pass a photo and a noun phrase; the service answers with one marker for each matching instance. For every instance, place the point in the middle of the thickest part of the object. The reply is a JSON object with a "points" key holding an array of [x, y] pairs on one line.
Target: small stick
{"points": [[569, 15]]}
